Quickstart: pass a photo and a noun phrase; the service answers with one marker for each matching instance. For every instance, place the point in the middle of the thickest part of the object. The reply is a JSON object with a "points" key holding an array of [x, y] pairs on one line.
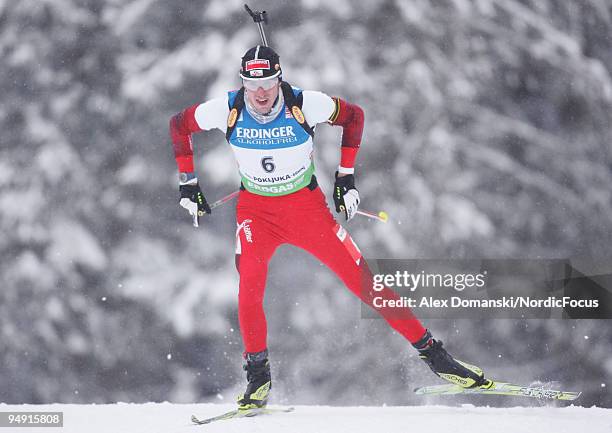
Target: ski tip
{"points": [[198, 421], [241, 413]]}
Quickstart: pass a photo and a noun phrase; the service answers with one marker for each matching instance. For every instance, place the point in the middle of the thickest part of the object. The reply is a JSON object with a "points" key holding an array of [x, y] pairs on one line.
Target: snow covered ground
{"points": [[174, 418]]}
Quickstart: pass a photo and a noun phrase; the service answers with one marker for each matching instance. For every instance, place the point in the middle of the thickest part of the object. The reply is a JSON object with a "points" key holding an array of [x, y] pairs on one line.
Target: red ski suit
{"points": [[301, 219]]}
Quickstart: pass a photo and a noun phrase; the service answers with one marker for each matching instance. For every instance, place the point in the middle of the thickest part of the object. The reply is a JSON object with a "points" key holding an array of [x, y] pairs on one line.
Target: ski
{"points": [[241, 413], [499, 388]]}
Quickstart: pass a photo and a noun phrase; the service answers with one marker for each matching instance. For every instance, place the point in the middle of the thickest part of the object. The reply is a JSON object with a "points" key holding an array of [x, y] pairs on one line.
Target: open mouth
{"points": [[261, 101]]}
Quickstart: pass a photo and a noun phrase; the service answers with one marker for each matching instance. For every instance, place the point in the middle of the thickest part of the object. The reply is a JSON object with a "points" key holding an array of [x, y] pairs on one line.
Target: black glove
{"points": [[346, 196], [194, 201]]}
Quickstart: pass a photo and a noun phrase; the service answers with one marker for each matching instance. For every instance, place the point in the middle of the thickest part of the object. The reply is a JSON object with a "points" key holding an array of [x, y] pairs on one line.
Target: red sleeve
{"points": [[351, 118], [182, 125]]}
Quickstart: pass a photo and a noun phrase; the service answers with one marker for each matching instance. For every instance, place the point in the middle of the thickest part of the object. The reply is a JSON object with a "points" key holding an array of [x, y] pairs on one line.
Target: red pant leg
{"points": [[256, 240], [316, 231]]}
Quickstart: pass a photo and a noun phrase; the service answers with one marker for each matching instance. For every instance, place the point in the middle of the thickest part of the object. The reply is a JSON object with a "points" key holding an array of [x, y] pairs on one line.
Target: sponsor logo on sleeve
{"points": [[231, 119], [297, 114]]}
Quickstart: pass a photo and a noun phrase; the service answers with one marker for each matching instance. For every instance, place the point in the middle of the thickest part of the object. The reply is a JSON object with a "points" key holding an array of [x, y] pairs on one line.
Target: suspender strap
{"points": [[235, 111], [294, 103]]}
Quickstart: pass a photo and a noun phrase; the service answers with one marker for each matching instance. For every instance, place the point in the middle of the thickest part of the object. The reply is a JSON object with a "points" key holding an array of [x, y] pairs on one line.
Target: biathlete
{"points": [[270, 127]]}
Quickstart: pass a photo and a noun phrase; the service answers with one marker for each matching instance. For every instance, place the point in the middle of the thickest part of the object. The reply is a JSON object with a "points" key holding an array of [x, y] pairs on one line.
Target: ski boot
{"points": [[448, 368], [259, 381]]}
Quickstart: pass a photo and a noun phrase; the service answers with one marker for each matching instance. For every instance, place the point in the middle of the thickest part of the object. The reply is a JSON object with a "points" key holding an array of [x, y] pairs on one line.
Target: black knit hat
{"points": [[260, 62]]}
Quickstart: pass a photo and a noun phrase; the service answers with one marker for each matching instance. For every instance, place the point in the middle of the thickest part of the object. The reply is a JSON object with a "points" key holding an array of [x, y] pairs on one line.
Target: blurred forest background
{"points": [[487, 135]]}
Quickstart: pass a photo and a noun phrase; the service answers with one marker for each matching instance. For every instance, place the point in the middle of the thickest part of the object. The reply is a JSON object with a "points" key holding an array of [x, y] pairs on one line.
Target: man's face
{"points": [[262, 94]]}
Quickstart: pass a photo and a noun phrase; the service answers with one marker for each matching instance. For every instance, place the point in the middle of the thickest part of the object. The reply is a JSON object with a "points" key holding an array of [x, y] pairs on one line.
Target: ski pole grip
{"points": [[258, 17]]}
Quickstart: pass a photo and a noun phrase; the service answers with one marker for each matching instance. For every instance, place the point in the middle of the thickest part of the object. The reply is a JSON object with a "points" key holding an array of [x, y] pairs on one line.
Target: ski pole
{"points": [[380, 216], [260, 18], [223, 200]]}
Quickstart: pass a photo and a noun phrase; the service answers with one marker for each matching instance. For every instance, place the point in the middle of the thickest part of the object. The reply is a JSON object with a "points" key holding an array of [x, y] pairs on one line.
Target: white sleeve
{"points": [[317, 107], [212, 114]]}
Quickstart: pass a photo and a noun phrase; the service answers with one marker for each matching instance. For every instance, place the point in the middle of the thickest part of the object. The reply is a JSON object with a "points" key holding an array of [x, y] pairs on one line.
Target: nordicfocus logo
{"points": [[278, 135]]}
